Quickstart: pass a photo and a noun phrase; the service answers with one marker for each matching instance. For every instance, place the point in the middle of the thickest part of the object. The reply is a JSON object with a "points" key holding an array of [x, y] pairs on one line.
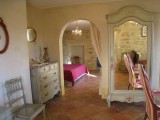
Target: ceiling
{"points": [[55, 3], [82, 24]]}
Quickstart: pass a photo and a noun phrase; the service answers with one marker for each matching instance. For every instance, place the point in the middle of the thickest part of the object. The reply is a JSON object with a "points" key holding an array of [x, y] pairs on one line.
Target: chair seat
{"points": [[156, 92], [137, 84], [135, 69], [28, 110]]}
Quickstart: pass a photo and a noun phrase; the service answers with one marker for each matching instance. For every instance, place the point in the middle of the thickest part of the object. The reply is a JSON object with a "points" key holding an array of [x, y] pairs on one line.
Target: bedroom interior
{"points": [[53, 46], [80, 46], [78, 49]]}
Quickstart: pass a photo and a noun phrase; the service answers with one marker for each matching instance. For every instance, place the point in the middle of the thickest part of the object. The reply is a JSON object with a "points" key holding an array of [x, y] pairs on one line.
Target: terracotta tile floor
{"points": [[82, 102]]}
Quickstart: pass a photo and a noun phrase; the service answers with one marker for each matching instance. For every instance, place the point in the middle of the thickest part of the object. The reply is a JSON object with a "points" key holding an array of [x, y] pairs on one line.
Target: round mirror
{"points": [[31, 35]]}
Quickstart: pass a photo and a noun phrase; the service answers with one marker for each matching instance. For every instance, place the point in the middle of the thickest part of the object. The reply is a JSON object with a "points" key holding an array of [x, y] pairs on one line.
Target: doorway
{"points": [[83, 43], [81, 47]]}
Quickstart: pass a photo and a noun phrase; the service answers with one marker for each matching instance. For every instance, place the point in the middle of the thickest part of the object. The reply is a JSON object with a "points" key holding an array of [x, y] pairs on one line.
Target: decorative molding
{"points": [[130, 11], [126, 96]]}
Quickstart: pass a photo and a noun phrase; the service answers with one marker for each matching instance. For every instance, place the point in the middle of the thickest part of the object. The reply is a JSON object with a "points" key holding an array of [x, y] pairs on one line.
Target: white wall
{"points": [[15, 61], [56, 20], [155, 53]]}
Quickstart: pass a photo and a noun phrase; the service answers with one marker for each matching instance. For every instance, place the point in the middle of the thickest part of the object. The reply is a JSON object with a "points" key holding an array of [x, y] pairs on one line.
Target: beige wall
{"points": [[14, 62], [56, 20], [35, 20]]}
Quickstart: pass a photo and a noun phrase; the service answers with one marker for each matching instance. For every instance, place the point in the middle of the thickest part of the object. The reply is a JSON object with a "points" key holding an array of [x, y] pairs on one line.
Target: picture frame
{"points": [[4, 37], [31, 35], [144, 31]]}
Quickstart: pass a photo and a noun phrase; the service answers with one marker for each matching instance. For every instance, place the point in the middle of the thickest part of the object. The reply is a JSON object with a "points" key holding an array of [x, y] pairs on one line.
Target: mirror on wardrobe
{"points": [[130, 29], [129, 37]]}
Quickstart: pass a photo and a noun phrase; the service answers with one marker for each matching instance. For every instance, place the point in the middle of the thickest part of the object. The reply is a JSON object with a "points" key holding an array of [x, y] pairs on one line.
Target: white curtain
{"points": [[96, 41], [95, 37]]}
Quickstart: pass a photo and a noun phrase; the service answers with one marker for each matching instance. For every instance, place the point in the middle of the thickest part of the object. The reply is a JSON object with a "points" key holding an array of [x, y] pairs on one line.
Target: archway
{"points": [[62, 60]]}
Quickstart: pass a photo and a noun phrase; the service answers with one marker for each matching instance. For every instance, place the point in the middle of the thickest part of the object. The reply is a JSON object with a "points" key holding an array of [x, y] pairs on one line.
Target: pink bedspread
{"points": [[73, 71]]}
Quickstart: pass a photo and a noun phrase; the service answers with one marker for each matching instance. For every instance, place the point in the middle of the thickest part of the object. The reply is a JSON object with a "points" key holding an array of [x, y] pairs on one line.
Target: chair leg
{"points": [[129, 85], [13, 118], [44, 114], [145, 117]]}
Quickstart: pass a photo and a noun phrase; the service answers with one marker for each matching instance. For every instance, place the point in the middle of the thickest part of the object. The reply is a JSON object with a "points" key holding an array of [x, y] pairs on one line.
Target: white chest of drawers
{"points": [[45, 81]]}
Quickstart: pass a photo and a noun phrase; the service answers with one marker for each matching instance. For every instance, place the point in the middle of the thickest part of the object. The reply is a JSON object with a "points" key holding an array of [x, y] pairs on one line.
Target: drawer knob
{"points": [[49, 67], [54, 73], [45, 86], [55, 80], [45, 77], [46, 94]]}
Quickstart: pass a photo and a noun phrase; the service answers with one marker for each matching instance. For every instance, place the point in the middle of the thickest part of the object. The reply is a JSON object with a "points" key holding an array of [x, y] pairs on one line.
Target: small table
{"points": [[75, 60]]}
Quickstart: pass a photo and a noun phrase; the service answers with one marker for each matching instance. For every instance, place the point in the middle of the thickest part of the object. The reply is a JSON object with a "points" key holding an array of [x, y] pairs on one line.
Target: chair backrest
{"points": [[130, 60], [15, 92], [151, 107], [126, 61], [132, 78]]}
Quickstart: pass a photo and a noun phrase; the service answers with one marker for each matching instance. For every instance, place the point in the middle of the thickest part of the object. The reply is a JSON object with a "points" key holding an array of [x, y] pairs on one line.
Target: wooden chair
{"points": [[132, 65], [134, 79], [17, 101], [152, 106]]}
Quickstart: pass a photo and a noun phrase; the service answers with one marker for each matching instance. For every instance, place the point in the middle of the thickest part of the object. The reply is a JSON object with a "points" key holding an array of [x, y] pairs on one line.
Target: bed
{"points": [[73, 72]]}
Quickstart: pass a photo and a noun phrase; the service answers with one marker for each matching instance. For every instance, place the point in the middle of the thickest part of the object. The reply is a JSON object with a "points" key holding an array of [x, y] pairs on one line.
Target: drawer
{"points": [[49, 87], [45, 99], [43, 69], [45, 77], [48, 77], [56, 90], [56, 87], [48, 68], [56, 80], [46, 86], [49, 72], [48, 82], [53, 72], [47, 94], [54, 66]]}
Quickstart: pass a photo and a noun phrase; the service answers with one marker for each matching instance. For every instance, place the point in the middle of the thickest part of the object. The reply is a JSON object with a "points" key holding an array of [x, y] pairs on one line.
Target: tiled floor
{"points": [[122, 81], [82, 102]]}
